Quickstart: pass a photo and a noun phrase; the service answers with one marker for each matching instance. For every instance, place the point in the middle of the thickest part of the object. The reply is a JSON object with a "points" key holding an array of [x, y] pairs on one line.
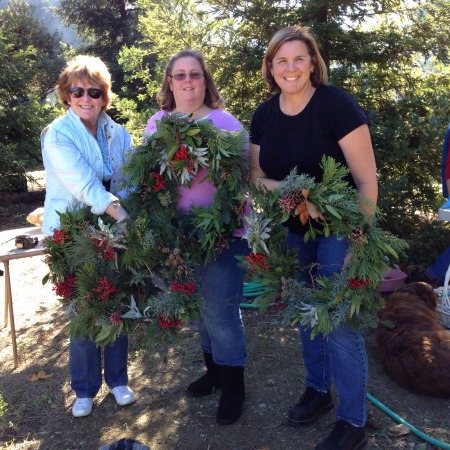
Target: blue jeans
{"points": [[439, 268], [342, 354], [219, 322], [85, 361]]}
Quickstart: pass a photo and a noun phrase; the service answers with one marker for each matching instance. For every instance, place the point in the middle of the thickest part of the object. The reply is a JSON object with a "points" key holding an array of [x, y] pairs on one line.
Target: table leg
{"points": [[9, 306], [5, 322]]}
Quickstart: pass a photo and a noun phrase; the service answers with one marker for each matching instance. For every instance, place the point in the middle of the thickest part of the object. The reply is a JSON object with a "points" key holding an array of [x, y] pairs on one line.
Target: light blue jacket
{"points": [[74, 166]]}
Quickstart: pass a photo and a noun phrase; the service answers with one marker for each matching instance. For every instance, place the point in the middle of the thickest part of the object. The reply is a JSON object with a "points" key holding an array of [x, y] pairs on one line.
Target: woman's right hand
{"points": [[117, 212]]}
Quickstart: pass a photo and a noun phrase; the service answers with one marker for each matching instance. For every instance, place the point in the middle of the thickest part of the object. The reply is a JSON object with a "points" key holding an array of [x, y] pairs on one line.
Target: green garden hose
{"points": [[253, 289], [398, 419]]}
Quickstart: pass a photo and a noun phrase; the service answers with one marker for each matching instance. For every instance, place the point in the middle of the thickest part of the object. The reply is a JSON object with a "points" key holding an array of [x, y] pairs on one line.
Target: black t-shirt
{"points": [[301, 140]]}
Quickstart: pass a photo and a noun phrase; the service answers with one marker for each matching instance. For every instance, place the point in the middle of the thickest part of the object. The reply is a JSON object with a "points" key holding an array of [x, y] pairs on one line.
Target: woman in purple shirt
{"points": [[189, 89]]}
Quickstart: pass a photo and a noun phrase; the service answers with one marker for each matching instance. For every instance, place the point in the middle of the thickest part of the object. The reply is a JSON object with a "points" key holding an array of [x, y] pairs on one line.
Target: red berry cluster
{"points": [[168, 322], [108, 254], [256, 260], [277, 305], [115, 318], [187, 288], [105, 288], [181, 154], [158, 181], [59, 237], [355, 283], [289, 202], [100, 243], [64, 289], [190, 165]]}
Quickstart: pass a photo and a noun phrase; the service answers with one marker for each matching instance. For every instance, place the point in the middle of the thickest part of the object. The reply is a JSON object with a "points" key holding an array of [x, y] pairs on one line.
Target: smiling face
{"points": [[86, 107], [291, 67], [189, 94]]}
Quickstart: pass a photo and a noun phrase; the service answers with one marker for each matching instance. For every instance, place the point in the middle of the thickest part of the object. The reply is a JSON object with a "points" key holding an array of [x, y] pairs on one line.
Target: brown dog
{"points": [[416, 351]]}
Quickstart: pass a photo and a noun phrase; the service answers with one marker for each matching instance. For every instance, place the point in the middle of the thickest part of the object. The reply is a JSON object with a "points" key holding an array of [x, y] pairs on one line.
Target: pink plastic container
{"points": [[393, 278]]}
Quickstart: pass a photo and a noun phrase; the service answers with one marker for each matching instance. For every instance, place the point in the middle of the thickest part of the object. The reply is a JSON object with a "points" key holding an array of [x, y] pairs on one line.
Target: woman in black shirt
{"points": [[303, 121]]}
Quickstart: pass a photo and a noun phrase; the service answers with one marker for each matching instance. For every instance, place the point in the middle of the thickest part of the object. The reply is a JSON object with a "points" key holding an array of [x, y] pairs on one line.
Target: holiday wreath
{"points": [[113, 283], [329, 207]]}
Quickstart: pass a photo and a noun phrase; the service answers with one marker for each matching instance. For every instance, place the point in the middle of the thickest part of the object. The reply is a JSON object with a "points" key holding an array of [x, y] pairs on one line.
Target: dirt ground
{"points": [[38, 414]]}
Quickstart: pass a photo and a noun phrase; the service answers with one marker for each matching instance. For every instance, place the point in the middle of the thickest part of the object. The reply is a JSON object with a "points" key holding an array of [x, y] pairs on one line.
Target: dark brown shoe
{"points": [[344, 436], [312, 405]]}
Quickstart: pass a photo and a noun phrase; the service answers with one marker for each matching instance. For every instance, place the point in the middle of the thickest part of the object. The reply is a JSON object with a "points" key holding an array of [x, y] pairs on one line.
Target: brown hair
{"points": [[294, 33], [166, 99], [86, 69]]}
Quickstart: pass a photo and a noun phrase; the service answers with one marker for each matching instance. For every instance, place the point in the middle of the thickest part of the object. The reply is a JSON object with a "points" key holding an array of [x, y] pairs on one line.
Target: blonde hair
{"points": [[86, 69], [294, 33]]}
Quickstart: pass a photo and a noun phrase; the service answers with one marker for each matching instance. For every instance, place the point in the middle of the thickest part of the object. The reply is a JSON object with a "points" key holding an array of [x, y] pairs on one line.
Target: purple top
{"points": [[201, 193]]}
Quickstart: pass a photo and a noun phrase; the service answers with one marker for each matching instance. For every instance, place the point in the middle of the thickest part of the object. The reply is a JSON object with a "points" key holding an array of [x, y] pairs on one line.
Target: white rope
{"points": [[445, 301]]}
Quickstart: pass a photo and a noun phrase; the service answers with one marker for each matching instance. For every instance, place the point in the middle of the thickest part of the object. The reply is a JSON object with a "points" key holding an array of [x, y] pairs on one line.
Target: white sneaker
{"points": [[123, 395], [82, 407]]}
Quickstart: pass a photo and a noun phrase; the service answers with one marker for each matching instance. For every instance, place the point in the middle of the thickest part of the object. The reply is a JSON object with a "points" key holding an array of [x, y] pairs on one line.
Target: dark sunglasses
{"points": [[78, 92], [182, 76]]}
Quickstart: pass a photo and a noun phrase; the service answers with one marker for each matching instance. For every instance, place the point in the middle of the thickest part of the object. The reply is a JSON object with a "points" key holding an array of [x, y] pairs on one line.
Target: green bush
{"points": [[428, 242], [3, 413], [20, 149]]}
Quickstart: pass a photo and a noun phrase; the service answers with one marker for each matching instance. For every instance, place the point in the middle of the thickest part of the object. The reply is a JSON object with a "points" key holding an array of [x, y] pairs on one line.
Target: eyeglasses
{"points": [[78, 92], [182, 76]]}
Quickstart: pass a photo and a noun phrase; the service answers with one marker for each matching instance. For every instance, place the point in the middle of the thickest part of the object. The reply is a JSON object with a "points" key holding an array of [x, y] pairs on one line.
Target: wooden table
{"points": [[8, 252]]}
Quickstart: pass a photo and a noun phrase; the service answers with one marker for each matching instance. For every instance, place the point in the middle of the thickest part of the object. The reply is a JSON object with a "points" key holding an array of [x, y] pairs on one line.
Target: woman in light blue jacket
{"points": [[83, 152]]}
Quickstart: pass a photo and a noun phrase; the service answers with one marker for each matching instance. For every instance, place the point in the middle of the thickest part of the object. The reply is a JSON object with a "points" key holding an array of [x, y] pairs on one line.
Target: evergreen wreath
{"points": [[111, 283], [331, 207]]}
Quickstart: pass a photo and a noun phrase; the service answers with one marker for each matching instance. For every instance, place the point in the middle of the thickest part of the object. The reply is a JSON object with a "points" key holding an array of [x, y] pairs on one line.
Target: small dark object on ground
{"points": [[125, 444]]}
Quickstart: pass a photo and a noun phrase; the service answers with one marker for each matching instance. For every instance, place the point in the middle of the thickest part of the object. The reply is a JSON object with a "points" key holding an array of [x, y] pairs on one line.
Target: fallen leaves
{"points": [[399, 430], [40, 375]]}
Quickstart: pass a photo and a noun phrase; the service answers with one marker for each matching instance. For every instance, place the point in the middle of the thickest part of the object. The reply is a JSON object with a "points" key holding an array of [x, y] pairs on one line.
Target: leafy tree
{"points": [[31, 61], [391, 55], [34, 55], [107, 26], [169, 26]]}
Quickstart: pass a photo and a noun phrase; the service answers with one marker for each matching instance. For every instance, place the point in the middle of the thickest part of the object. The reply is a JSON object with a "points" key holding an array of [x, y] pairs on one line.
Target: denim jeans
{"points": [[85, 360], [219, 322], [439, 268], [342, 354]]}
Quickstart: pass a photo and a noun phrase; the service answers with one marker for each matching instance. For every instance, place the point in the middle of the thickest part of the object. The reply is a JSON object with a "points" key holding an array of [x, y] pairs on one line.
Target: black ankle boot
{"points": [[233, 394], [312, 404], [344, 436], [209, 381]]}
